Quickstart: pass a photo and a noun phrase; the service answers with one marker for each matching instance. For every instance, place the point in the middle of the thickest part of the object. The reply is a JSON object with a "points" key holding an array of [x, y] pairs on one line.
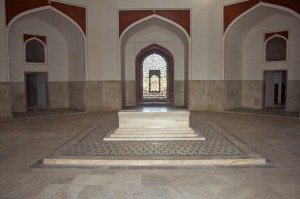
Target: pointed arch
{"points": [[128, 96], [124, 32], [15, 18], [288, 10], [45, 8], [241, 16], [39, 55], [165, 95], [281, 54]]}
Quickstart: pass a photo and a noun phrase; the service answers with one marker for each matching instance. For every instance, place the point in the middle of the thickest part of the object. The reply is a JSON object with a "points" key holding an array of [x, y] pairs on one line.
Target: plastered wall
{"points": [[57, 62], [3, 55], [253, 48], [206, 39], [103, 46]]}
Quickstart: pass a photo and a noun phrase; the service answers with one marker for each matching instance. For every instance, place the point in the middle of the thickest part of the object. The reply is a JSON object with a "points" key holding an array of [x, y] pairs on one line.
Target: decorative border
{"points": [[128, 17], [40, 37], [16, 7], [284, 34], [232, 11]]}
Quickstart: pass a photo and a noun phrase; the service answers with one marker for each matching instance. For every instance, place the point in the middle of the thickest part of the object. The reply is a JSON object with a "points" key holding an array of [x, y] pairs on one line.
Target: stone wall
{"points": [[252, 94], [103, 96], [233, 94], [58, 93], [206, 95], [178, 93], [5, 111], [77, 95], [18, 96], [293, 95], [111, 95], [94, 96], [130, 93]]}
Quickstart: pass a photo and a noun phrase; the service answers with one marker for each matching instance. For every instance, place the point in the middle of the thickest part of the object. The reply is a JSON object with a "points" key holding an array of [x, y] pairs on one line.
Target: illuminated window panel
{"points": [[154, 78]]}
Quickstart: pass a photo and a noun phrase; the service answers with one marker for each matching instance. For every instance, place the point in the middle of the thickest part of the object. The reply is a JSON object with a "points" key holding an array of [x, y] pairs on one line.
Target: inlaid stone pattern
{"points": [[214, 145]]}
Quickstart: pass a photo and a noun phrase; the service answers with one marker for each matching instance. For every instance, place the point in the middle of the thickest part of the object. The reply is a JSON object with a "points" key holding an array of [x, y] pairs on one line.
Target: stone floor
{"points": [[24, 142], [44, 113], [267, 111]]}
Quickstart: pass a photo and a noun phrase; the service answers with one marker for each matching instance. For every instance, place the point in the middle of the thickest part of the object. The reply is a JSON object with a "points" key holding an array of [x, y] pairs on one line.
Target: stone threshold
{"points": [[122, 161]]}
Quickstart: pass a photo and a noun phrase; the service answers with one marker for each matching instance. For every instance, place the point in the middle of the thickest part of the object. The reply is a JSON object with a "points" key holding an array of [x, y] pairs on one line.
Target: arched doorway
{"points": [[154, 76]]}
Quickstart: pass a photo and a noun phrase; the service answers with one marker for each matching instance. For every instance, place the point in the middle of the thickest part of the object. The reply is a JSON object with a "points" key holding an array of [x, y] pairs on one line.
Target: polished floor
{"points": [[267, 111], [25, 142]]}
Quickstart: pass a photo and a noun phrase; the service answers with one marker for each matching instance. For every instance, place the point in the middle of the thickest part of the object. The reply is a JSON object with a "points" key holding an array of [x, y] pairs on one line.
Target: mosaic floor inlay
{"points": [[214, 145]]}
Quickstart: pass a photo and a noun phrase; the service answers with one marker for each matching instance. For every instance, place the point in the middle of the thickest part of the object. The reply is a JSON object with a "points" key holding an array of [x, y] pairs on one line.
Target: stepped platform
{"points": [[154, 124]]}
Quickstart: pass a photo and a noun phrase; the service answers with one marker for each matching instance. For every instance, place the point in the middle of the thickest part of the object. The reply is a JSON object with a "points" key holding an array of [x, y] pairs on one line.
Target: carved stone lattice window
{"points": [[34, 51], [276, 49], [154, 70]]}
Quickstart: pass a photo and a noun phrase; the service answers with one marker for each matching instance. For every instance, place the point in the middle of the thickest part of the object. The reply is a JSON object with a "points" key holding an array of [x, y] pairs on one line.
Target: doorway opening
{"points": [[36, 90], [154, 76], [275, 84]]}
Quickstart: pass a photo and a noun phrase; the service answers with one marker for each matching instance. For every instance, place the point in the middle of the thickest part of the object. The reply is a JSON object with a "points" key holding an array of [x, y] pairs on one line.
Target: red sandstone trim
{"points": [[78, 14], [231, 12], [128, 17], [42, 38], [15, 7], [284, 34]]}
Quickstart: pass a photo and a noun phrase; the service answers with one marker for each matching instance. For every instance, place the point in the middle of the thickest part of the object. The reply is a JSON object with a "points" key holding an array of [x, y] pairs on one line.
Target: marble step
{"points": [[155, 131], [151, 138], [140, 135]]}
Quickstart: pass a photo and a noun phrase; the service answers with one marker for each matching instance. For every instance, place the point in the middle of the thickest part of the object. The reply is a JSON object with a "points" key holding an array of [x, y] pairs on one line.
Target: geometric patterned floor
{"points": [[214, 145]]}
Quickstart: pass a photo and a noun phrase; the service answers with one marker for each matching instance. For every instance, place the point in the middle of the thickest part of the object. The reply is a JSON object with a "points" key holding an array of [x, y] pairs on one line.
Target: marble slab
{"points": [[154, 124]]}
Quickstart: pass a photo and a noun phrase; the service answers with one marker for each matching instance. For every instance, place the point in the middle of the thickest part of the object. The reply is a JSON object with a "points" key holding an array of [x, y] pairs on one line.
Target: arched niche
{"points": [[240, 31], [65, 64], [276, 48], [154, 30], [35, 51], [244, 48]]}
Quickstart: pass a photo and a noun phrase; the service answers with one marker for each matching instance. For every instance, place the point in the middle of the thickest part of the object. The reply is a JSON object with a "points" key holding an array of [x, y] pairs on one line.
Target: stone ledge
{"points": [[81, 161]]}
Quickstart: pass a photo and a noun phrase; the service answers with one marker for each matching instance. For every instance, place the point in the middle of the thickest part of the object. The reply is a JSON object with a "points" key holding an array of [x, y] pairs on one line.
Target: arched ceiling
{"points": [[154, 21], [234, 10], [66, 28], [252, 19]]}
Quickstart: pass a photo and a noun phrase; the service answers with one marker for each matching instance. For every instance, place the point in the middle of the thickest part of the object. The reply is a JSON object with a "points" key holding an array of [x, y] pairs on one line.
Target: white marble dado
{"points": [[154, 124]]}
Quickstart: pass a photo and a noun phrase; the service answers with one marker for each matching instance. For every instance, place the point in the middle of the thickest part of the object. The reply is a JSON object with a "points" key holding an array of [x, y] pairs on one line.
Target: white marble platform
{"points": [[154, 124]]}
